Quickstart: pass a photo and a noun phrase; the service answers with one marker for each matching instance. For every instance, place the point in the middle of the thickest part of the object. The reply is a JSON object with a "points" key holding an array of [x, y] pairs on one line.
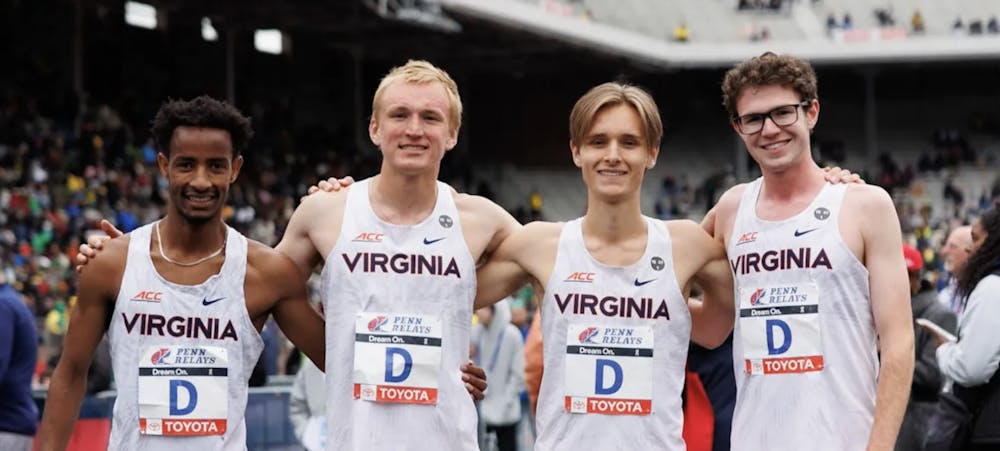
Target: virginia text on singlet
{"points": [[804, 349], [182, 355], [398, 304], [615, 347]]}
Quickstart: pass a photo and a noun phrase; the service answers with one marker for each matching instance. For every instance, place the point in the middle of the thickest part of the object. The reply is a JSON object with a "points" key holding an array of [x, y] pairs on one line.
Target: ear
{"points": [[812, 114], [161, 162], [575, 150], [373, 132], [237, 165], [654, 152], [736, 128], [451, 141]]}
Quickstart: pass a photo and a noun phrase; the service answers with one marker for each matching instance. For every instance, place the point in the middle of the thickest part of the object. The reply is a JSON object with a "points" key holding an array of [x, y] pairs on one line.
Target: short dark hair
{"points": [[202, 111], [769, 69]]}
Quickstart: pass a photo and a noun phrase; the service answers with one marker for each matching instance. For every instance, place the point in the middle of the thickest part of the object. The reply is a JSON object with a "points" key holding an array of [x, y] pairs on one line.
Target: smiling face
{"points": [[777, 148], [199, 170], [614, 153], [411, 126]]}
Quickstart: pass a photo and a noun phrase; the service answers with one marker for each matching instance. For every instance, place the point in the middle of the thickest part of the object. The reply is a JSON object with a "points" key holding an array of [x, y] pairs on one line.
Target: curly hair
{"points": [[986, 258], [769, 69], [202, 111]]}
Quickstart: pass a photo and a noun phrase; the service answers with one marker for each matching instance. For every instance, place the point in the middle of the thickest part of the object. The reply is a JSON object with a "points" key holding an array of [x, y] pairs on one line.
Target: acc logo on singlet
{"points": [[588, 335], [369, 237], [747, 238], [375, 325], [148, 296], [586, 277]]}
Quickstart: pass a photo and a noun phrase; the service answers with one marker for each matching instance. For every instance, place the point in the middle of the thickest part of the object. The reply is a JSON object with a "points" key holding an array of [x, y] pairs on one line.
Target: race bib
{"points": [[397, 358], [780, 328], [609, 370], [183, 390]]}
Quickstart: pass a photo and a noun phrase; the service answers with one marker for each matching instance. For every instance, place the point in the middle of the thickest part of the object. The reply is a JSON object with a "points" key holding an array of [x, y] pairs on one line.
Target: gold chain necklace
{"points": [[159, 243]]}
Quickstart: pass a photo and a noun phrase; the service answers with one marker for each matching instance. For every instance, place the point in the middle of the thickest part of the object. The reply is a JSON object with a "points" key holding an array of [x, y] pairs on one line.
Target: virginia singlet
{"points": [[182, 355], [398, 304], [804, 349], [615, 347]]}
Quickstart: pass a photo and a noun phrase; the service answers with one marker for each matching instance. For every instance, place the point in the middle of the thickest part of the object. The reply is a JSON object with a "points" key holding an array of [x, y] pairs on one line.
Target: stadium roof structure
{"points": [[529, 17]]}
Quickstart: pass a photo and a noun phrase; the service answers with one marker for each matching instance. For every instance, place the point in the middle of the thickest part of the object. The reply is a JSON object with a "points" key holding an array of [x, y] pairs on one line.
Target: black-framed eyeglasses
{"points": [[782, 116]]}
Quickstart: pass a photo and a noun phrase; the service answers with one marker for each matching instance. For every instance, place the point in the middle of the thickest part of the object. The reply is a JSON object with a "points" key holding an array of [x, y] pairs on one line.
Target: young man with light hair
{"points": [[823, 342], [399, 281], [615, 315]]}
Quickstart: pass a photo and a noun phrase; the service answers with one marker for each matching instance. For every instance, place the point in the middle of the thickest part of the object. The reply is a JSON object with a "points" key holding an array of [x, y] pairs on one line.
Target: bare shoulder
{"points": [[867, 197], [269, 266], [476, 205], [729, 202], [112, 258], [105, 271], [691, 239], [534, 237], [323, 202]]}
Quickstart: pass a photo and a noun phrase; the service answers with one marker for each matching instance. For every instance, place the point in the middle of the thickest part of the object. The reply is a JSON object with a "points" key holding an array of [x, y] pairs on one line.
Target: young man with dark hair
{"points": [[823, 342], [182, 301]]}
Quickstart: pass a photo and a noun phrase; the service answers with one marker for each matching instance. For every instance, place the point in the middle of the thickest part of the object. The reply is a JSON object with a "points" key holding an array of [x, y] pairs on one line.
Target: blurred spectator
{"points": [[831, 23], [956, 253], [307, 406], [499, 349], [958, 28], [535, 202], [848, 23], [917, 21], [18, 354], [884, 17], [976, 27], [992, 27], [681, 33], [927, 381]]}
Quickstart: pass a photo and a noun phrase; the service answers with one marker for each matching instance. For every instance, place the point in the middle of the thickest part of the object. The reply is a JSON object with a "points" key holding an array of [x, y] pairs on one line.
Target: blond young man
{"points": [[823, 342], [615, 314]]}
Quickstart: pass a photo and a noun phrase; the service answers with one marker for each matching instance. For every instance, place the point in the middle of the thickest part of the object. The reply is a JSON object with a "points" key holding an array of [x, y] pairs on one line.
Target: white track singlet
{"points": [[398, 312], [182, 355], [615, 347], [804, 349]]}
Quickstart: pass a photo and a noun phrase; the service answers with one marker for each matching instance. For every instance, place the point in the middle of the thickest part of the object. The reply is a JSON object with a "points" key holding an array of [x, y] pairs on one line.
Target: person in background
{"points": [[500, 351], [18, 354], [971, 361], [956, 253], [927, 380]]}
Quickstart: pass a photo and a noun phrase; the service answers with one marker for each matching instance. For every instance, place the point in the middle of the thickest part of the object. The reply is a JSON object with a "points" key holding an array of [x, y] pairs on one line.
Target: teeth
{"points": [[611, 172]]}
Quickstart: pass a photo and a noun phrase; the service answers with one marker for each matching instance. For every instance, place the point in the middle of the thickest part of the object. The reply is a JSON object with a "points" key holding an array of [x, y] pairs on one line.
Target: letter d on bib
{"points": [[192, 397], [390, 354], [599, 387], [786, 333]]}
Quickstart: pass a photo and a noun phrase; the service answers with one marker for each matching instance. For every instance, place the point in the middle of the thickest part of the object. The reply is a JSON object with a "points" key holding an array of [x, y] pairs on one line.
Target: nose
{"points": [[414, 127], [613, 155], [769, 127], [202, 179]]}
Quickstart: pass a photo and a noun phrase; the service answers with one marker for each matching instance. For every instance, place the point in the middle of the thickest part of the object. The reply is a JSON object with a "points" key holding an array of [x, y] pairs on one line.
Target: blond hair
{"points": [[612, 94], [421, 72]]}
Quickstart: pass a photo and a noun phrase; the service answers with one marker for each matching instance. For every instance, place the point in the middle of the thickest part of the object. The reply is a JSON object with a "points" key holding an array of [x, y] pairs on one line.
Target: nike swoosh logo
{"points": [[427, 241], [213, 301], [797, 233], [639, 284]]}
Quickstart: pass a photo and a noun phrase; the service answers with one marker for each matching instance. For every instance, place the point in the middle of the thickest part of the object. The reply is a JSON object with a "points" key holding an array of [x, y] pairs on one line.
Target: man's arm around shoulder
{"points": [[298, 320], [98, 288]]}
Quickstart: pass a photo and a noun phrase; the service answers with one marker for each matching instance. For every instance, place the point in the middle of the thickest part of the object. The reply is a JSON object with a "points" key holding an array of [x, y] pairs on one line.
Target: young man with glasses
{"points": [[823, 342]]}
